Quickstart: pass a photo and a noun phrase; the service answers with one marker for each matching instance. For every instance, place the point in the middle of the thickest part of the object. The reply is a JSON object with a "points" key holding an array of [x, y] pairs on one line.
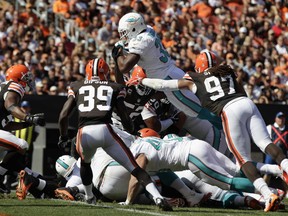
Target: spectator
{"points": [[252, 89], [23, 17], [104, 33], [279, 134], [248, 66], [280, 46], [39, 89], [61, 7], [53, 90]]}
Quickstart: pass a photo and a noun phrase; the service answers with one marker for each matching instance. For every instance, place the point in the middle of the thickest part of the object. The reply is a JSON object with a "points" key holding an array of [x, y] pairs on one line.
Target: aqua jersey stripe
{"points": [[216, 140], [114, 163], [207, 170], [184, 100], [63, 164]]}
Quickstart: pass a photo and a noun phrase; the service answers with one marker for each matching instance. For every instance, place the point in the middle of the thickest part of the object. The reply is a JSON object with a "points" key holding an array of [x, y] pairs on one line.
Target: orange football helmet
{"points": [[204, 61], [138, 72], [97, 68], [147, 132], [19, 73]]}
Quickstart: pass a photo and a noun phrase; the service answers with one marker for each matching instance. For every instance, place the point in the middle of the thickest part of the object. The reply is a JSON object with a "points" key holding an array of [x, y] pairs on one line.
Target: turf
{"points": [[11, 206]]}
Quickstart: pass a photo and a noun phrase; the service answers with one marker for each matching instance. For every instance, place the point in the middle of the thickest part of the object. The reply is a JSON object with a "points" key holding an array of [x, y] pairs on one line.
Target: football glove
{"points": [[134, 81], [63, 142], [36, 119], [117, 51]]}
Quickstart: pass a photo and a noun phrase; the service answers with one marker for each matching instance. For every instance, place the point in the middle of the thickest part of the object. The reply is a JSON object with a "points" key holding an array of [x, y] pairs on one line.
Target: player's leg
{"points": [[236, 118], [89, 138], [113, 183], [170, 179], [228, 199], [116, 148]]}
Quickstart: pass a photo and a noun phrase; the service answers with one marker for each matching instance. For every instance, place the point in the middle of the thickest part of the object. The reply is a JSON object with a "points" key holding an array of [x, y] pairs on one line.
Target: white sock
{"points": [[284, 165], [262, 187], [182, 188], [269, 169], [88, 191], [81, 188], [151, 188]]}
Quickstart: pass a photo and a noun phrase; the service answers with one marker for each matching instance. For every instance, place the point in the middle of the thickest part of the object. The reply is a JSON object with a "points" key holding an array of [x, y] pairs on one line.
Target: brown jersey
{"points": [[215, 92], [5, 87], [95, 100]]}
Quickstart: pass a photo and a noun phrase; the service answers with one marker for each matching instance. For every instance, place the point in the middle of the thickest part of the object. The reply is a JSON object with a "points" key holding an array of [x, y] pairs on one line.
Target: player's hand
{"points": [[134, 81], [117, 51], [119, 43], [175, 116], [63, 142], [37, 119]]}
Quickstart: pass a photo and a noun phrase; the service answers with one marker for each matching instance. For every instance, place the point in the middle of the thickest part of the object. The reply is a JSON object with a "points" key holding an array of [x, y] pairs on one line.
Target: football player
{"points": [[219, 91], [146, 50], [95, 97], [158, 105], [18, 79], [203, 160]]}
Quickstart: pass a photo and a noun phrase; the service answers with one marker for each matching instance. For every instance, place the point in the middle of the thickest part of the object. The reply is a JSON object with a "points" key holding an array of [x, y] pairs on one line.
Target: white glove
{"points": [[119, 43]]}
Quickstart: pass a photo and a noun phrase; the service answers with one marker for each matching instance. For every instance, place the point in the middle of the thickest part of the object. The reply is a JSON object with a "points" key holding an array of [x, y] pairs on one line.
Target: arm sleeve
{"points": [[161, 85]]}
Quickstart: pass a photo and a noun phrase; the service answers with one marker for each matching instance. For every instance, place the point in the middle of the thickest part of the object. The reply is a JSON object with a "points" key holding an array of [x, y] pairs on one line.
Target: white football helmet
{"points": [[64, 165], [130, 25]]}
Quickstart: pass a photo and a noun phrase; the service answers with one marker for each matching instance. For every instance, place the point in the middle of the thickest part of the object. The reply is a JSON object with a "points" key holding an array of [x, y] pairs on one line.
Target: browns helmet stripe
{"points": [[209, 58], [95, 67]]}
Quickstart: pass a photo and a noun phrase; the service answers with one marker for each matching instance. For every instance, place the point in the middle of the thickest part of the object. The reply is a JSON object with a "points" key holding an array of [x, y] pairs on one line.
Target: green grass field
{"points": [[11, 206]]}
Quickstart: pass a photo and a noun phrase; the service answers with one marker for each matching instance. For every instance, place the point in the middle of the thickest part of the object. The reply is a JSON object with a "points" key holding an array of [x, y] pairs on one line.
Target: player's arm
{"points": [[64, 116], [125, 63], [164, 85], [11, 104], [134, 186], [123, 114]]}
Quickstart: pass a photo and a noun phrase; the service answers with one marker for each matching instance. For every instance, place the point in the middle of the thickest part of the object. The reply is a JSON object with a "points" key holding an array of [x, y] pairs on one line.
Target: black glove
{"points": [[37, 119], [117, 51], [63, 142]]}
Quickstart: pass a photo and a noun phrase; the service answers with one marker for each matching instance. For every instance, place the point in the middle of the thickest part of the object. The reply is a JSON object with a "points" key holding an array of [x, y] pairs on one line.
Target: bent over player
{"points": [[94, 98]]}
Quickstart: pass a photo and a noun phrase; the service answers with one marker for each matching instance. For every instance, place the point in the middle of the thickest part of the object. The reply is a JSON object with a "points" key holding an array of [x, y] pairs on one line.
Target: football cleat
{"points": [[272, 203], [176, 202], [197, 198], [91, 201], [163, 204], [252, 203], [64, 193], [25, 181], [4, 189]]}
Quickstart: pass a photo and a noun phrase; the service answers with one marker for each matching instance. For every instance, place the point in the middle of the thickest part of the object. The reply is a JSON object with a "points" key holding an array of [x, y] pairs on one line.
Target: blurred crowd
{"points": [[56, 38]]}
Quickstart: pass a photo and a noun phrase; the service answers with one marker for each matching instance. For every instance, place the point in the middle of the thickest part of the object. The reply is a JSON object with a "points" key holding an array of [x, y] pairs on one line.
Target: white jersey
{"points": [[153, 56], [163, 154]]}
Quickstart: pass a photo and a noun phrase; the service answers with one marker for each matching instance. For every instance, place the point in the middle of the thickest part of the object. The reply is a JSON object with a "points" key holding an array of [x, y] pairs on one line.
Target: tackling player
{"points": [[18, 77], [95, 97], [219, 91]]}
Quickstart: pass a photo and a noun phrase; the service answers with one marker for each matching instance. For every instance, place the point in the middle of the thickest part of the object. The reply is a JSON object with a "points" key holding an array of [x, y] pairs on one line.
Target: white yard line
{"points": [[120, 209]]}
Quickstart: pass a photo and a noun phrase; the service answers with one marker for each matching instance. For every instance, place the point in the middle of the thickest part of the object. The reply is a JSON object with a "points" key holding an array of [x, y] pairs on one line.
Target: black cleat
{"points": [[163, 204]]}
